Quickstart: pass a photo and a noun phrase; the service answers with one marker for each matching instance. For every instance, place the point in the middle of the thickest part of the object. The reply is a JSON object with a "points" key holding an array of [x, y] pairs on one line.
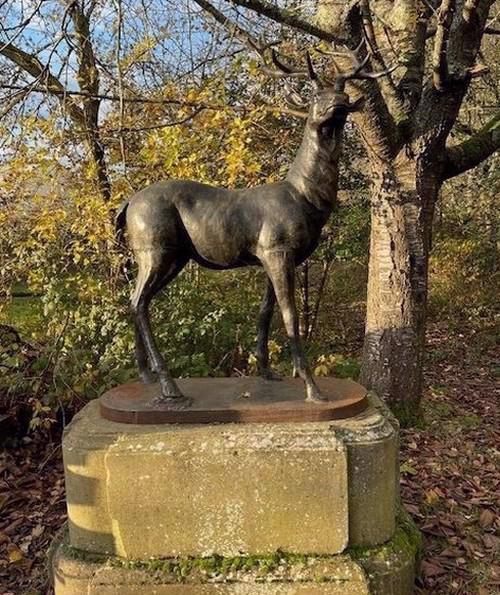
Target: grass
{"points": [[23, 313]]}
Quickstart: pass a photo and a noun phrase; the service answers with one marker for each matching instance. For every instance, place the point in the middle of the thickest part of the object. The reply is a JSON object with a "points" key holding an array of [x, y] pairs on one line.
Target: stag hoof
{"points": [[169, 388], [175, 403], [268, 374]]}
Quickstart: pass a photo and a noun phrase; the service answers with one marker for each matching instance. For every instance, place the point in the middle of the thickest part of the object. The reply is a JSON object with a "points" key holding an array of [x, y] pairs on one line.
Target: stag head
{"points": [[330, 105]]}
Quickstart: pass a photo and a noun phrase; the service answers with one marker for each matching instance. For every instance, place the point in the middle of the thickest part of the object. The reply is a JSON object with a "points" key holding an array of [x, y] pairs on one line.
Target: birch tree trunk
{"points": [[401, 227]]}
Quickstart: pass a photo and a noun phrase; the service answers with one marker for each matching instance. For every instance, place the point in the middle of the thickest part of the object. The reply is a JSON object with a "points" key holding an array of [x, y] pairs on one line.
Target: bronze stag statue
{"points": [[276, 226]]}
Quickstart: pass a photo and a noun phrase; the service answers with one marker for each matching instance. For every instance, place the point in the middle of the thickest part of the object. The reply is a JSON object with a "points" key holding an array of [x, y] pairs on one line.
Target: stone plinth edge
{"points": [[371, 440], [388, 569]]}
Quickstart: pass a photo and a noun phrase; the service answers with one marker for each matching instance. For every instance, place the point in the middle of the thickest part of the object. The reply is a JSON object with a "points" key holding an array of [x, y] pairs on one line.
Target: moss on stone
{"points": [[396, 560], [404, 546], [406, 540], [180, 568]]}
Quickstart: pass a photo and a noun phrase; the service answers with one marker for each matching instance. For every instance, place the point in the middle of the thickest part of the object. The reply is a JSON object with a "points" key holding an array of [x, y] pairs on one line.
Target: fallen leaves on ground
{"points": [[32, 508], [450, 479]]}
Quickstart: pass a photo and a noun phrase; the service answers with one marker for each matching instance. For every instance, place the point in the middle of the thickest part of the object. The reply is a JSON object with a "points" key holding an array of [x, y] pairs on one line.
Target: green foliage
{"points": [[464, 278], [59, 243], [337, 365], [464, 265]]}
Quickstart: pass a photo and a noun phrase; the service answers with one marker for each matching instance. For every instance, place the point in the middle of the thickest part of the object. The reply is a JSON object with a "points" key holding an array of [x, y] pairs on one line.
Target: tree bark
{"points": [[402, 206]]}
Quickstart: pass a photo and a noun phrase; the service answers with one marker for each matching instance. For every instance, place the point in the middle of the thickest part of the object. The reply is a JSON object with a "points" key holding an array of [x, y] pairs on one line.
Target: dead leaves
{"points": [[486, 519], [450, 478], [32, 508]]}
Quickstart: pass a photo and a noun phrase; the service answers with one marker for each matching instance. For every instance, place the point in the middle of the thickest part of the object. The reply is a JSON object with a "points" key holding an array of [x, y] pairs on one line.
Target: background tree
{"points": [[405, 127]]}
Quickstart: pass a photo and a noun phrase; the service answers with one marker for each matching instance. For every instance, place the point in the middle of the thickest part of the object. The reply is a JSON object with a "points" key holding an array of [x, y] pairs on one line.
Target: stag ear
{"points": [[313, 77], [357, 105]]}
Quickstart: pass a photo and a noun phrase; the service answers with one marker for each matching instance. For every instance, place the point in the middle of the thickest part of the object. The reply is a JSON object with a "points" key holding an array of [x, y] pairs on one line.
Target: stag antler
{"points": [[358, 72]]}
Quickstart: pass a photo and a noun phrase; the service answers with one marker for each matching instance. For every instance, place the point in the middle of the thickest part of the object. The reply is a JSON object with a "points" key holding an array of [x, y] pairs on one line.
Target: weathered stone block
{"points": [[77, 573], [372, 443], [194, 490], [387, 569]]}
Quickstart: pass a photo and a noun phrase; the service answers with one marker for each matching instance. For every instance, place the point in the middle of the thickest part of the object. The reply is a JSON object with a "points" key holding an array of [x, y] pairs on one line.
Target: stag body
{"points": [[276, 226]]}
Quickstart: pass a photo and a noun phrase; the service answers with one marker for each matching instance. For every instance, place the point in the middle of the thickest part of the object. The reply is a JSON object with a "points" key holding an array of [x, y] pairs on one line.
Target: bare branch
{"points": [[108, 97], [177, 102], [280, 70], [122, 129], [287, 18], [48, 82], [244, 36], [464, 156], [9, 103], [440, 53]]}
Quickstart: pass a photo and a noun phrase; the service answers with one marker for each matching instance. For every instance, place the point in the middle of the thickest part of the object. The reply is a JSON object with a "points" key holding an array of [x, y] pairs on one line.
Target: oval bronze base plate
{"points": [[233, 400]]}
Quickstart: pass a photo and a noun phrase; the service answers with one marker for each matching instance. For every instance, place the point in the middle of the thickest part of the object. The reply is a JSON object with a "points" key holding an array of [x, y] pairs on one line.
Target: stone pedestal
{"points": [[234, 508]]}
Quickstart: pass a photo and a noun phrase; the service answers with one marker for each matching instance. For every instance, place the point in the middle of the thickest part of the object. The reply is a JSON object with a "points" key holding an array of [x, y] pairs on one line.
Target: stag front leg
{"points": [[281, 270], [263, 325]]}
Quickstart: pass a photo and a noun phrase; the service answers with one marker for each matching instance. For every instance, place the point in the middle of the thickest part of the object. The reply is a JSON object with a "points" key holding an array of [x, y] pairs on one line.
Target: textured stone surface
{"points": [[77, 574], [303, 487], [372, 443], [156, 491], [387, 569], [392, 566]]}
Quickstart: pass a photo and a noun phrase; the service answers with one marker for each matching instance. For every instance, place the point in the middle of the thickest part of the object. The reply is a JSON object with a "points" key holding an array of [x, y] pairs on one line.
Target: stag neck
{"points": [[314, 171]]}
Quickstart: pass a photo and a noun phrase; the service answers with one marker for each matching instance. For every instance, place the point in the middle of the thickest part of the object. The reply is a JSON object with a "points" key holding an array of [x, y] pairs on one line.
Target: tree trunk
{"points": [[401, 225], [99, 157]]}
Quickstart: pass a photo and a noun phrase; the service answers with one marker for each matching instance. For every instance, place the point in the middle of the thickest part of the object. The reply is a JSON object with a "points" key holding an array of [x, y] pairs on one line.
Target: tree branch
{"points": [[252, 43], [410, 47], [391, 93], [287, 18], [88, 80], [39, 71], [440, 53], [431, 31], [466, 155], [375, 122], [244, 36]]}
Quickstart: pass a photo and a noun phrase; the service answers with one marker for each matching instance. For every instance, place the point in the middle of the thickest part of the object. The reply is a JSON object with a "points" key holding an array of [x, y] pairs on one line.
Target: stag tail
{"points": [[120, 220]]}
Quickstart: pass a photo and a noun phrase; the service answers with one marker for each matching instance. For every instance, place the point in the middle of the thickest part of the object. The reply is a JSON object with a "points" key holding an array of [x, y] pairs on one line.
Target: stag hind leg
{"points": [[263, 324], [280, 267], [141, 357], [157, 268]]}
